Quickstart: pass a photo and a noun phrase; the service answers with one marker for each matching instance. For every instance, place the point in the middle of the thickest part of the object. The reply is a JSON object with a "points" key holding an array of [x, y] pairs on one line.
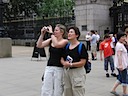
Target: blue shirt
{"points": [[93, 39]]}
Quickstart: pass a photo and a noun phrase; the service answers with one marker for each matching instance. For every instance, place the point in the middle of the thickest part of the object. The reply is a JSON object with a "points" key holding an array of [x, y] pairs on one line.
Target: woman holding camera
{"points": [[53, 77]]}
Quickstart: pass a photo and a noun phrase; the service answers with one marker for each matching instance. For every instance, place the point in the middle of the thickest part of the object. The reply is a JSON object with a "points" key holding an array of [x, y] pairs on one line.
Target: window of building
{"points": [[84, 27]]}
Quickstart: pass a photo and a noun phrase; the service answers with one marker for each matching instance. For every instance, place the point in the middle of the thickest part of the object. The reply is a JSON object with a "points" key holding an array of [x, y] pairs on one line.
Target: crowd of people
{"points": [[65, 73]]}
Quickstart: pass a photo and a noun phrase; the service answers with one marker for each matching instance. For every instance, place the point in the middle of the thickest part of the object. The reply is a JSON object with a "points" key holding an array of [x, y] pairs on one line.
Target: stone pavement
{"points": [[19, 76]]}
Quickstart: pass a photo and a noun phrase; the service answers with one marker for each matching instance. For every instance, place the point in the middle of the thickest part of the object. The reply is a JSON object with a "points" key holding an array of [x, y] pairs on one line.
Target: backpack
{"points": [[87, 66]]}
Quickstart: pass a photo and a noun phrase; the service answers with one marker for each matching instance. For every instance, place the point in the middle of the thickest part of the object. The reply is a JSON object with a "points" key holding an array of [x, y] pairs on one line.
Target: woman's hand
{"points": [[120, 68], [44, 30], [66, 64], [50, 30]]}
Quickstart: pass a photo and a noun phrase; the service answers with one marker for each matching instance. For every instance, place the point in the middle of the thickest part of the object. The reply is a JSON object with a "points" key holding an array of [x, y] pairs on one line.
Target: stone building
{"points": [[93, 15]]}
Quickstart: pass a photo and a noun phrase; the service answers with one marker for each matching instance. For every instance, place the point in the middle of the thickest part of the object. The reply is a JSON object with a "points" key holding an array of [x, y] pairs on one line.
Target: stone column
{"points": [[5, 47]]}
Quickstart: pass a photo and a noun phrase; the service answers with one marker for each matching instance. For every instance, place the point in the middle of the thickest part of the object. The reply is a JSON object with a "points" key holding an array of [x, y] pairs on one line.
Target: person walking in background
{"points": [[115, 38], [73, 62], [121, 63], [98, 40], [113, 43], [105, 47], [93, 41], [87, 38], [53, 76]]}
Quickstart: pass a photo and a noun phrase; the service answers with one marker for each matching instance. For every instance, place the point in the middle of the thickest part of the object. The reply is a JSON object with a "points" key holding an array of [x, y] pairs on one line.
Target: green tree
{"points": [[56, 8], [46, 8], [21, 7]]}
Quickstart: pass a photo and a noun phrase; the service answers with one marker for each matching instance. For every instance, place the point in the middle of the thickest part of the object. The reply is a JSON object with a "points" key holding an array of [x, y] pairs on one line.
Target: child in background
{"points": [[105, 47]]}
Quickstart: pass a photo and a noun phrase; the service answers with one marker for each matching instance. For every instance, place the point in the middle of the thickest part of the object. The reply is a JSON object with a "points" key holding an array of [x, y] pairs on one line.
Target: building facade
{"points": [[119, 16], [93, 15]]}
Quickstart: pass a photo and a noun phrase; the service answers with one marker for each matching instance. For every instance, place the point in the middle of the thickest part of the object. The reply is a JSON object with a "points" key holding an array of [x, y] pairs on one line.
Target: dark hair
{"points": [[76, 29], [126, 30], [125, 27], [92, 31], [119, 35], [106, 36]]}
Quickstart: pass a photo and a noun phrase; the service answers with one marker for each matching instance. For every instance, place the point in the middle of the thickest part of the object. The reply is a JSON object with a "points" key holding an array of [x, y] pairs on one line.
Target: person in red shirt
{"points": [[105, 47]]}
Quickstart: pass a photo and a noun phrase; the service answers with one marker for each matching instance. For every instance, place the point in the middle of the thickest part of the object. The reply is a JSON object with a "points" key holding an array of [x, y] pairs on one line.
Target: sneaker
{"points": [[95, 58], [107, 75], [113, 74], [115, 93]]}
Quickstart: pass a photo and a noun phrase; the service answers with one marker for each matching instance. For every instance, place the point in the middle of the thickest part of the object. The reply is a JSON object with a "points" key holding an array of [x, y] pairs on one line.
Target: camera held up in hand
{"points": [[46, 28]]}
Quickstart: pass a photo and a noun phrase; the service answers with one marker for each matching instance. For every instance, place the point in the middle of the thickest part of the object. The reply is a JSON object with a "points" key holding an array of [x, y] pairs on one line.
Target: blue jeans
{"points": [[123, 77], [109, 60]]}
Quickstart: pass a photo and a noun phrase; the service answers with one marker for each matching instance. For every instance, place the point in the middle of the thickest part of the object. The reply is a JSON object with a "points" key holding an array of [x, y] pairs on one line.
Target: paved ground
{"points": [[19, 76]]}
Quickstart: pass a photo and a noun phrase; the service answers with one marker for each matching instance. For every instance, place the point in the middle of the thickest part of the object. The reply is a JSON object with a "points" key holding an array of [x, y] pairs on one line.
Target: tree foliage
{"points": [[53, 8], [46, 8], [21, 7]]}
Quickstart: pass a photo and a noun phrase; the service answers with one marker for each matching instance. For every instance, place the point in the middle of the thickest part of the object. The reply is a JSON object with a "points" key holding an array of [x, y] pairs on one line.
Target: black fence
{"points": [[29, 28], [119, 16]]}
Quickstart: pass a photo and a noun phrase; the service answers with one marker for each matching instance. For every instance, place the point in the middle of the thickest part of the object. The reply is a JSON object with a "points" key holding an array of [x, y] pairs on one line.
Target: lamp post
{"points": [[2, 30]]}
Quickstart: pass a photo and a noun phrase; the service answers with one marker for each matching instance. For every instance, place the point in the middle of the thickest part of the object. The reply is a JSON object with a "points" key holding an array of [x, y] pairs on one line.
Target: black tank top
{"points": [[55, 56]]}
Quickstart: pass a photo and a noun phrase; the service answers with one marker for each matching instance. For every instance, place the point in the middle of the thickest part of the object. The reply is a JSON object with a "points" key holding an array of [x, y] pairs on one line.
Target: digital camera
{"points": [[69, 58], [46, 28]]}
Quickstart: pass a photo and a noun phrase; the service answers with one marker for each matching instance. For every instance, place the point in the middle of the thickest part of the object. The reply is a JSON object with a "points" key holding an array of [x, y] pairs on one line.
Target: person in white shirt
{"points": [[121, 63], [113, 43], [98, 39], [87, 38]]}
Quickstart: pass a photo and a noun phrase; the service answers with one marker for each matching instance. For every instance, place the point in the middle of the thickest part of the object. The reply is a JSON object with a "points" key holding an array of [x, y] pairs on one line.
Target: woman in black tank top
{"points": [[53, 76]]}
